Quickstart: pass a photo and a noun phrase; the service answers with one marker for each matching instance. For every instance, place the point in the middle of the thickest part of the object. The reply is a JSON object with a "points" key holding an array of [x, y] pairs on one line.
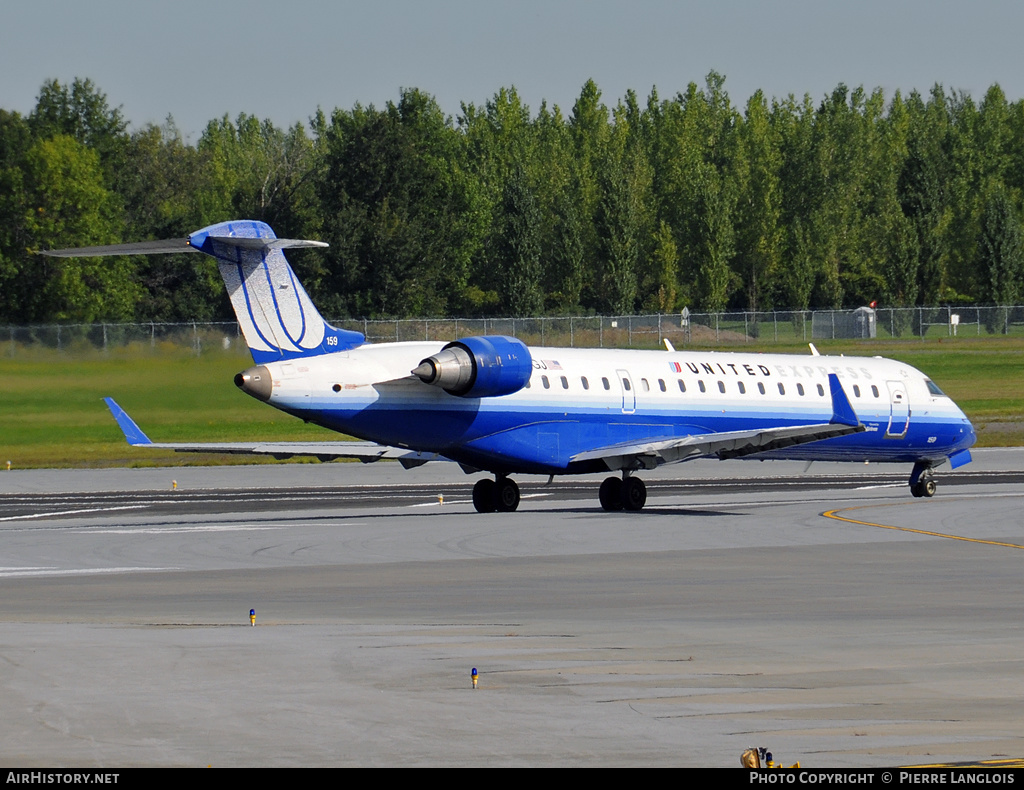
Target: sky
{"points": [[197, 60]]}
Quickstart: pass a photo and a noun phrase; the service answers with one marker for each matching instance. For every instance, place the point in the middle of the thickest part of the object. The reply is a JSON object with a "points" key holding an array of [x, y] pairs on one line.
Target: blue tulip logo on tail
{"points": [[277, 317]]}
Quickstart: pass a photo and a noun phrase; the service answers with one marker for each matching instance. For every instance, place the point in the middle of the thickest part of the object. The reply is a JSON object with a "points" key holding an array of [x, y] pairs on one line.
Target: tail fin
{"points": [[273, 310], [276, 315]]}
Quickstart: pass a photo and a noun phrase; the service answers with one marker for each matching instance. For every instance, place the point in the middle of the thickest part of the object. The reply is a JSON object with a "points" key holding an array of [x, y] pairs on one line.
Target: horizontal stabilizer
{"points": [[267, 244], [171, 246], [165, 246]]}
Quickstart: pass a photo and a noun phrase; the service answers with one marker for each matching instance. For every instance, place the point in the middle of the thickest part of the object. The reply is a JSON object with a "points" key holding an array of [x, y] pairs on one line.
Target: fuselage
{"points": [[583, 399]]}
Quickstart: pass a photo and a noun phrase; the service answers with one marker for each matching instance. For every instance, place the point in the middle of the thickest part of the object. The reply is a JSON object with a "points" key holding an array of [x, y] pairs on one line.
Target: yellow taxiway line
{"points": [[834, 514]]}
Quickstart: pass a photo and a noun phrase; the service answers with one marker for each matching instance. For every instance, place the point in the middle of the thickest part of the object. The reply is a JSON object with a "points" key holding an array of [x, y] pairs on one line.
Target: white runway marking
{"points": [[175, 530], [470, 501], [72, 512], [7, 573]]}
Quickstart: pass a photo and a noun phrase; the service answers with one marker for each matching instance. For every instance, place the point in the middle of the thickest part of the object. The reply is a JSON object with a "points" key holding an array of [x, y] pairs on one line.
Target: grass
{"points": [[52, 413]]}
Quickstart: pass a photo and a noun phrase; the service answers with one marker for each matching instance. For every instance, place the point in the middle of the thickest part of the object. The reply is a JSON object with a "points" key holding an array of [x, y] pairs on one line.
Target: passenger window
{"points": [[743, 390], [528, 384], [821, 391], [721, 387], [800, 389], [547, 384], [856, 391], [682, 386], [782, 390], [700, 383], [606, 383], [661, 383], [584, 382], [645, 385], [565, 383], [874, 390], [625, 385], [760, 387]]}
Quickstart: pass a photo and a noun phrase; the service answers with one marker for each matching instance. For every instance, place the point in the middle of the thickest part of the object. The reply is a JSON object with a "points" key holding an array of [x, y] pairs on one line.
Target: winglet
{"points": [[842, 411], [132, 433]]}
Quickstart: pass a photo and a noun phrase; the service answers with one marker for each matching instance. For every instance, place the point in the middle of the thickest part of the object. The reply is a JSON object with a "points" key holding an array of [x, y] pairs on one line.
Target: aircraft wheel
{"points": [[634, 493], [928, 487], [485, 495], [610, 494], [507, 495], [916, 490]]}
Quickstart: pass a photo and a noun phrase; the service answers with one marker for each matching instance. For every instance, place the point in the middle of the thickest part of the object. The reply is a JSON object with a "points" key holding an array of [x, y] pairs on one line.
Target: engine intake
{"points": [[478, 367]]}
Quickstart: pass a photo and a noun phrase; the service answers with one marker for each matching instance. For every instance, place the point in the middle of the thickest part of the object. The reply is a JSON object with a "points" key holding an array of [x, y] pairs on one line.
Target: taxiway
{"points": [[729, 613]]}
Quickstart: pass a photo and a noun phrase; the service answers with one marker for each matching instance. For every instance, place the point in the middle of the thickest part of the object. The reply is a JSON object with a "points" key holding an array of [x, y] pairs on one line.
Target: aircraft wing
{"points": [[729, 444], [367, 452]]}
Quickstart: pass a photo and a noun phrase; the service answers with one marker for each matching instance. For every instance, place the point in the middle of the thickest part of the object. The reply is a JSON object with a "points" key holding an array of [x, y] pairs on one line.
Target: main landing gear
{"points": [[625, 493], [501, 495]]}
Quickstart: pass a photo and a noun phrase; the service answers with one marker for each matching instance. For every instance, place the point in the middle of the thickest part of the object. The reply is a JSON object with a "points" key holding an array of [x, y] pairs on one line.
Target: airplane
{"points": [[495, 405]]}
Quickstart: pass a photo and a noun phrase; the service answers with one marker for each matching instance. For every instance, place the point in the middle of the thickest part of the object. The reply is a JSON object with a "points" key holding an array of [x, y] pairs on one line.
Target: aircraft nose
{"points": [[255, 381], [969, 436]]}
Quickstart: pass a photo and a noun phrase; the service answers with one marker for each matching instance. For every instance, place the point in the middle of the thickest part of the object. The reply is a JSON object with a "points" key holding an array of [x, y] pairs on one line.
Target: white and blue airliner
{"points": [[493, 404]]}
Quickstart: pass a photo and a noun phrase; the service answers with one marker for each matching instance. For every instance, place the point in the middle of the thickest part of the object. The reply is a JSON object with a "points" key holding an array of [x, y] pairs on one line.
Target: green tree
{"points": [[80, 111], [67, 205], [165, 186], [760, 234], [1001, 251], [403, 218], [518, 249]]}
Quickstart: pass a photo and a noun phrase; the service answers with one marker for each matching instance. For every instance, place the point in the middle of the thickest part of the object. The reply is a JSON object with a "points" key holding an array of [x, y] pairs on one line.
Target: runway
{"points": [[729, 613]]}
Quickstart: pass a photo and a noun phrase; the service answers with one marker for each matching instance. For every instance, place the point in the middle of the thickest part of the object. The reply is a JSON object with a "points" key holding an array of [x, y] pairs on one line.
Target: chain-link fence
{"points": [[640, 331]]}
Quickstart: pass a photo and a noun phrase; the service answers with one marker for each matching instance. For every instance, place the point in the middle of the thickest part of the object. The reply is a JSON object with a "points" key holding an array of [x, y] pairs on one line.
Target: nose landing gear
{"points": [[922, 481]]}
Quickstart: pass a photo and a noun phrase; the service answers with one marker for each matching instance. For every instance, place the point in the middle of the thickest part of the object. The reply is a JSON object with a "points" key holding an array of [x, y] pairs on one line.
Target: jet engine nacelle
{"points": [[478, 367]]}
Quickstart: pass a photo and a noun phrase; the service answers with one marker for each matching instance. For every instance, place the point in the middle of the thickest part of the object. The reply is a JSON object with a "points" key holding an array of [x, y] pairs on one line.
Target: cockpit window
{"points": [[933, 389]]}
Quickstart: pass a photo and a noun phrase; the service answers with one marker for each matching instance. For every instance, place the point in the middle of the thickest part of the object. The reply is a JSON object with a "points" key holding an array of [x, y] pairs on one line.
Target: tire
{"points": [[610, 494], [634, 493], [928, 487], [485, 495], [507, 499]]}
